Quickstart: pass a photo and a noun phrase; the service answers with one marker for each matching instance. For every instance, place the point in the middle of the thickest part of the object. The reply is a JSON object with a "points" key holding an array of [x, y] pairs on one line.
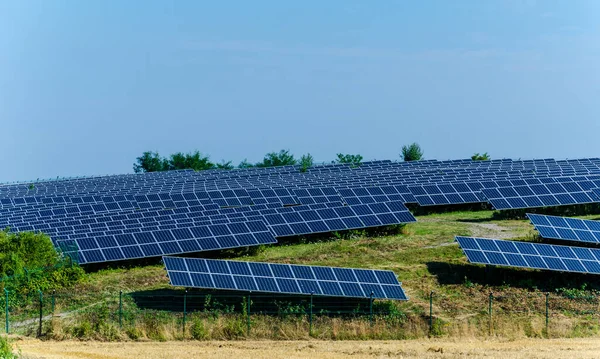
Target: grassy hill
{"points": [[424, 256]]}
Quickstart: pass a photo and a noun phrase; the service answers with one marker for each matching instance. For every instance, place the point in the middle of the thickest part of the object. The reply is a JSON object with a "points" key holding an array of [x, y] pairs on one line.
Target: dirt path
{"points": [[467, 348], [491, 230]]}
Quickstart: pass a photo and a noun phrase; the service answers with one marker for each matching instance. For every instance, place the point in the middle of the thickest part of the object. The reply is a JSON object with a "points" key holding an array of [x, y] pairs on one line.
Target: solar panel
{"points": [[447, 193], [309, 220], [156, 243], [530, 255], [541, 195], [283, 278], [570, 229]]}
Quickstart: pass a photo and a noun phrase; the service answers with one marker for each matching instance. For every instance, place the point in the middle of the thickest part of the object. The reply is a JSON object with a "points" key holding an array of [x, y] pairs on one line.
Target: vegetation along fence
{"points": [[178, 314]]}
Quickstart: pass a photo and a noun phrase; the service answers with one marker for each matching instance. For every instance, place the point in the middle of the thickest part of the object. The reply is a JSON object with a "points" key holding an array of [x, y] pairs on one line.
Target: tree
{"points": [[478, 157], [245, 164], [150, 162], [225, 165], [354, 160], [412, 152], [194, 160], [306, 161], [281, 158]]}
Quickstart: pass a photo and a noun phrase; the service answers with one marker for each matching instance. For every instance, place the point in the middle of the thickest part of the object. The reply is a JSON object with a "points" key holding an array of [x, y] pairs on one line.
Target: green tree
{"points": [[31, 262], [224, 165], [153, 162], [354, 160], [306, 161], [25, 250], [245, 164], [482, 157], [194, 160], [412, 152], [281, 158], [150, 162]]}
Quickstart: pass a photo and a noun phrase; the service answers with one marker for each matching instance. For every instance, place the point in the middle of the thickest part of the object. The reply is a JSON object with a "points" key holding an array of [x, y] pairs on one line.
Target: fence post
{"points": [[547, 312], [120, 309], [371, 309], [431, 312], [310, 319], [184, 311], [248, 315], [490, 311], [53, 301], [41, 313], [6, 308]]}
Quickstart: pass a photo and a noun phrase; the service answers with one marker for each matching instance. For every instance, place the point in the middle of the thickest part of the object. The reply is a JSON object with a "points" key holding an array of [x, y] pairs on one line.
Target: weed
{"points": [[6, 349]]}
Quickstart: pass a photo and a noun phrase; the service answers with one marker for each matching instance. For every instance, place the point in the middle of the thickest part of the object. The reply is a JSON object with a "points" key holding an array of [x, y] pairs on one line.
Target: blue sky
{"points": [[87, 86]]}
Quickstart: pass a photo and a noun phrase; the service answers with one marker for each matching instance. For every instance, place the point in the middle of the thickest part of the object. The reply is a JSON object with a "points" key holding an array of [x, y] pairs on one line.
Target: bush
{"points": [[281, 158], [354, 160], [306, 161], [6, 350], [198, 330], [412, 152], [29, 262], [82, 330], [234, 328], [480, 157]]}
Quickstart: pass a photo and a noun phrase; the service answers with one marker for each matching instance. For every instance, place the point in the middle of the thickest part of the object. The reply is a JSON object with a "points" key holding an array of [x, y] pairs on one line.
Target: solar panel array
{"points": [[544, 194], [530, 255], [283, 278], [564, 228], [129, 216]]}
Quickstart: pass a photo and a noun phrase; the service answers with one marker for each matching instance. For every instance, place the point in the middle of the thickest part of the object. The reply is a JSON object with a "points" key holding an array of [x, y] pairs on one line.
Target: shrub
{"points": [[6, 349], [29, 262], [412, 152], [198, 330], [354, 160], [306, 161], [281, 158], [480, 157]]}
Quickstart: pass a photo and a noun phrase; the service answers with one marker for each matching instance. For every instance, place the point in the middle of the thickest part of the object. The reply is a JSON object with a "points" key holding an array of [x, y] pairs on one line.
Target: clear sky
{"points": [[87, 86]]}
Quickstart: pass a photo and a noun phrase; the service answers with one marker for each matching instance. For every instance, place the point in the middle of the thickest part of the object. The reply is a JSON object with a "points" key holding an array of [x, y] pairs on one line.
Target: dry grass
{"points": [[315, 349]]}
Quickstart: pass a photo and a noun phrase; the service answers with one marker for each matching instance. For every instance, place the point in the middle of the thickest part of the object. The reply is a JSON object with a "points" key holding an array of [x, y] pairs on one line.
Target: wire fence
{"points": [[177, 314]]}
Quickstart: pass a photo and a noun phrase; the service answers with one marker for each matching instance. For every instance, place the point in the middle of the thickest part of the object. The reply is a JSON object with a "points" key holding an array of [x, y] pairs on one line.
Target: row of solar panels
{"points": [[198, 176], [376, 164], [300, 181], [541, 255], [136, 236], [283, 278], [46, 212], [528, 193]]}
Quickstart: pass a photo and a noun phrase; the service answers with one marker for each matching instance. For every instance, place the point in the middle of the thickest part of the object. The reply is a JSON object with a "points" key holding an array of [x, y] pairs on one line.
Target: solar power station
{"points": [[111, 218], [122, 217], [283, 278]]}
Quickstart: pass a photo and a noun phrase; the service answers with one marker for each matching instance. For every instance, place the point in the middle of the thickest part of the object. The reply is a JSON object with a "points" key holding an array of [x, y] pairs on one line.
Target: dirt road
{"points": [[526, 348]]}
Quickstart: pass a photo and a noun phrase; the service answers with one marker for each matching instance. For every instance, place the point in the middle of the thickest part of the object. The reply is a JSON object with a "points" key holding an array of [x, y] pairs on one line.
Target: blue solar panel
{"points": [[447, 193], [283, 278], [151, 244], [530, 255], [570, 229], [542, 195]]}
